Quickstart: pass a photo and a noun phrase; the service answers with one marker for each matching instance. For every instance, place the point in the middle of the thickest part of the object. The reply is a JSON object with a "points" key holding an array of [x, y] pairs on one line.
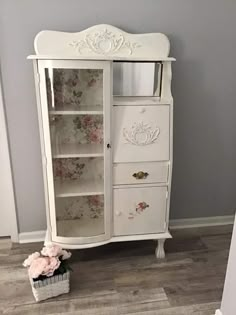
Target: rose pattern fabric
{"points": [[69, 88], [86, 207], [81, 129], [78, 168], [70, 168]]}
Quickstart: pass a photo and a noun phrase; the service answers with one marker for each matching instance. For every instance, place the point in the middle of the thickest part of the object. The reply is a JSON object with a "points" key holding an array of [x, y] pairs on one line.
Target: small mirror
{"points": [[136, 78]]}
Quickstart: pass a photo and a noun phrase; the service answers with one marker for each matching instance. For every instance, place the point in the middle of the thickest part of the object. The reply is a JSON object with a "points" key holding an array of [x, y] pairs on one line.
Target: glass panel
{"points": [[136, 78], [75, 104], [76, 134], [80, 216], [74, 89], [78, 176]]}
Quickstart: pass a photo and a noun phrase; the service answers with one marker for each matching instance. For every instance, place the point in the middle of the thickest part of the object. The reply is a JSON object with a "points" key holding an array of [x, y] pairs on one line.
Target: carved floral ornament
{"points": [[141, 134], [104, 43]]}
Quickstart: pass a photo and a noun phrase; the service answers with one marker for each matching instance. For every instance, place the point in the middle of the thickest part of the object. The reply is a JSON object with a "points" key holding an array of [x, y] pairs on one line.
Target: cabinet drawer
{"points": [[140, 173], [139, 210], [141, 133]]}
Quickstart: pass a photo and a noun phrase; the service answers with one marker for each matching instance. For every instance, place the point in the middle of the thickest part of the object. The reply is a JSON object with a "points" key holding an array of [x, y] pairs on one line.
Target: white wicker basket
{"points": [[52, 286]]}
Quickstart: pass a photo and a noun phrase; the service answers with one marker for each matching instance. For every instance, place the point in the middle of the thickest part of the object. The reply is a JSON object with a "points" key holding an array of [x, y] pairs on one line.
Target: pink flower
{"points": [[51, 250], [37, 267], [65, 254], [44, 266], [31, 257], [53, 264]]}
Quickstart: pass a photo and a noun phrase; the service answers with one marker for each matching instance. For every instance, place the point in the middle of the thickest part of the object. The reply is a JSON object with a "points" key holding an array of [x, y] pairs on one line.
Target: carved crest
{"points": [[141, 134], [104, 43]]}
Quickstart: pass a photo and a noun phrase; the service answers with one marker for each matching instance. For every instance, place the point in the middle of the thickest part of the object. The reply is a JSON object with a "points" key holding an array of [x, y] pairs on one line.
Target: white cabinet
{"points": [[107, 161]]}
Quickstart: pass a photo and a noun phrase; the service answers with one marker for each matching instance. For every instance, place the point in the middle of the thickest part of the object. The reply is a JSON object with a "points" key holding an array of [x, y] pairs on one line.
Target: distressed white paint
{"points": [[102, 40], [129, 220], [141, 132], [160, 251], [124, 173], [106, 67]]}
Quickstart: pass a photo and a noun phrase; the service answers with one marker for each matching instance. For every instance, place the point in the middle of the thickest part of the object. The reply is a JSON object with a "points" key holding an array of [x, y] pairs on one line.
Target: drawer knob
{"points": [[140, 175], [118, 213]]}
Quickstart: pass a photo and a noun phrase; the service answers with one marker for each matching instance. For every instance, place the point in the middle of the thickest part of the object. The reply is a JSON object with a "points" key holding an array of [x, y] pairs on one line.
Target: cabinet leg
{"points": [[48, 240], [160, 251]]}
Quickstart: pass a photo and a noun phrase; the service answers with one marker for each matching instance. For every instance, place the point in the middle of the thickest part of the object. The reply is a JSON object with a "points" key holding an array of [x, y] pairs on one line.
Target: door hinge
{"points": [[167, 194]]}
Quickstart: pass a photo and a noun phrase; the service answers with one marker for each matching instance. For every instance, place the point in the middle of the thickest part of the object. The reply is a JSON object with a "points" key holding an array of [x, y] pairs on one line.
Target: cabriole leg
{"points": [[160, 251]]}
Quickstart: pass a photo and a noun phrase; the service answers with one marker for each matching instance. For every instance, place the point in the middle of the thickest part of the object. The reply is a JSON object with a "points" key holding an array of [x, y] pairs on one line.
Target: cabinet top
{"points": [[102, 42]]}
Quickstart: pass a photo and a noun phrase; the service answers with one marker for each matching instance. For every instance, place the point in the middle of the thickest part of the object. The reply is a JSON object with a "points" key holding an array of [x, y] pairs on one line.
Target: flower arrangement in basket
{"points": [[49, 272]]}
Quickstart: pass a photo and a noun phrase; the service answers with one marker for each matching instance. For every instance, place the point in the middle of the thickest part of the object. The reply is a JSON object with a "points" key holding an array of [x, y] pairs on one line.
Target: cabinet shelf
{"points": [[78, 110], [72, 188], [80, 228], [138, 100], [72, 150]]}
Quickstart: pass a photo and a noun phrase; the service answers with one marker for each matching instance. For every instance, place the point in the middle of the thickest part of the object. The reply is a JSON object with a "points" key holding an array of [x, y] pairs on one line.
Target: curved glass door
{"points": [[76, 101]]}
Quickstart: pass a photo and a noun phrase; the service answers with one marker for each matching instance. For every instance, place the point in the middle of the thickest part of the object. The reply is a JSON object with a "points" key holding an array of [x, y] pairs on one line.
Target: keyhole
{"points": [[108, 146]]}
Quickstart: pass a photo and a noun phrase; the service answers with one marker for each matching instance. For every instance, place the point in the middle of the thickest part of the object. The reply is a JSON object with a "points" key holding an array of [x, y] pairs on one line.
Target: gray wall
{"points": [[202, 35]]}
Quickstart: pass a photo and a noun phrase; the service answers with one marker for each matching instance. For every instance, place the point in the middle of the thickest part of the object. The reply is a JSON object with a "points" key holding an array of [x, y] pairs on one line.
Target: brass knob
{"points": [[140, 175]]}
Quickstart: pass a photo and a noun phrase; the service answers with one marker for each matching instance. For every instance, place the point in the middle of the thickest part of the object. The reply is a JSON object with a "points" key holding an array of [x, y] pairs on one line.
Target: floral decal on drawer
{"points": [[141, 206], [87, 207], [69, 88], [76, 129]]}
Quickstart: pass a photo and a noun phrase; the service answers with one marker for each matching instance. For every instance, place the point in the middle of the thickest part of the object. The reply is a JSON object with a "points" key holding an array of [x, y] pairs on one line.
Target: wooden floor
{"points": [[126, 278]]}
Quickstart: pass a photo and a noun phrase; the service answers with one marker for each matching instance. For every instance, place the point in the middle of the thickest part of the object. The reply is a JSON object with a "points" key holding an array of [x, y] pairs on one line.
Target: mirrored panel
{"points": [[136, 78]]}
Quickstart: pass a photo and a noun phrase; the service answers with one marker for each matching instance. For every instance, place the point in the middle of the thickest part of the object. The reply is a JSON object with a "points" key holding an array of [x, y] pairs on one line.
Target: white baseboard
{"points": [[39, 236], [218, 312], [32, 237], [201, 222]]}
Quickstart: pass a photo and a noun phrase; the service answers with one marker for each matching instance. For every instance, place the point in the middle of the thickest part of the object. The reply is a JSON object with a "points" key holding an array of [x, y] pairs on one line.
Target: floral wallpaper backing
{"points": [[78, 168], [70, 88], [87, 207], [79, 129]]}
